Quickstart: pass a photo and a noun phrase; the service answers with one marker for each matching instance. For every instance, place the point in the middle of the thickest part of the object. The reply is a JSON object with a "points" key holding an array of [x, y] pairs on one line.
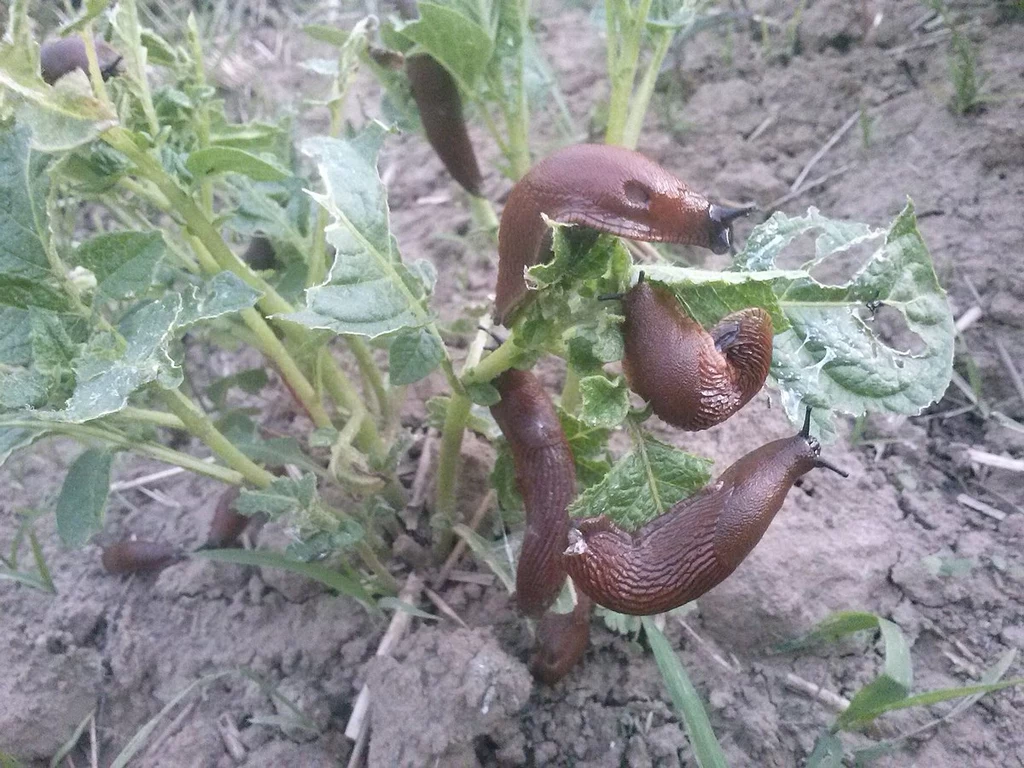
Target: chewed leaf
{"points": [[369, 291], [643, 484], [769, 239], [831, 358]]}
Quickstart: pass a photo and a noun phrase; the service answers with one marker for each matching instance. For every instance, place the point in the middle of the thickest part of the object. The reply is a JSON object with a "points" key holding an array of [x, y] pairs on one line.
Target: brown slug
{"points": [[562, 639], [227, 524], [606, 188], [437, 100], [138, 556], [260, 254], [693, 547], [60, 56], [693, 378], [546, 479]]}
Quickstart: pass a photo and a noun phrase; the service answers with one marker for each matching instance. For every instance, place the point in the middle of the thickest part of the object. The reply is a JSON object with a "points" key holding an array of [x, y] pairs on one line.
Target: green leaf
{"points": [[480, 420], [643, 484], [251, 380], [325, 33], [329, 577], [369, 291], [123, 262], [483, 393], [830, 629], [223, 294], [503, 479], [892, 686], [413, 354], [454, 38], [83, 497], [90, 10], [706, 749], [494, 557], [60, 117], [588, 446], [220, 159], [830, 356], [22, 388], [827, 753], [321, 529], [604, 403], [14, 438], [24, 227]]}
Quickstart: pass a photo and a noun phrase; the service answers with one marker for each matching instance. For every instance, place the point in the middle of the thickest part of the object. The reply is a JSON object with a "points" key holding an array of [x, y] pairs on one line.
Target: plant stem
{"points": [[200, 425], [374, 564], [519, 116], [450, 457], [153, 450], [499, 360], [642, 97], [483, 215], [625, 31], [149, 416], [371, 376]]}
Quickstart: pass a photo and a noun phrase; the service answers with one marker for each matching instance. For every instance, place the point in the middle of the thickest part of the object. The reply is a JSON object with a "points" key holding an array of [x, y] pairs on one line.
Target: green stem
{"points": [[149, 416], [483, 215], [519, 115], [450, 458], [153, 450], [200, 425], [499, 360], [625, 31], [446, 501], [374, 564], [642, 97], [371, 375]]}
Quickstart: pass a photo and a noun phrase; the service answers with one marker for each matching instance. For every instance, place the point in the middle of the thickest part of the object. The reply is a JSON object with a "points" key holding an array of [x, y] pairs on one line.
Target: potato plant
{"points": [[97, 322]]}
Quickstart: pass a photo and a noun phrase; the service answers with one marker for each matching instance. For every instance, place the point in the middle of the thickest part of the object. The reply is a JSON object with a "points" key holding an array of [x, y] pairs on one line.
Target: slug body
{"points": [[546, 479], [227, 524], [137, 556], [610, 189], [561, 641], [63, 55], [260, 254], [694, 546], [693, 378], [440, 106]]}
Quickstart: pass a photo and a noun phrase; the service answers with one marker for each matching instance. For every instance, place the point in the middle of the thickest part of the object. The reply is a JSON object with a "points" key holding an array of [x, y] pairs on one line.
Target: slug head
{"points": [[814, 447], [720, 226]]}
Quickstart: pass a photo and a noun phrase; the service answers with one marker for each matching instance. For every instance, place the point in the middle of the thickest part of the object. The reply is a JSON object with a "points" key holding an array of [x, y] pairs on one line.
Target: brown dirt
{"points": [[124, 647]]}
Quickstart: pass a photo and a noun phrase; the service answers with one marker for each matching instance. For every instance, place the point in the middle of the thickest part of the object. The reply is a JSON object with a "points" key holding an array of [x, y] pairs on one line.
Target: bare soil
{"points": [[124, 647]]}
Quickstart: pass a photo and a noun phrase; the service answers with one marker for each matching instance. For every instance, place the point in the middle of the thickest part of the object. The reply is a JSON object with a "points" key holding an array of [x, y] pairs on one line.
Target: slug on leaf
{"points": [[693, 378], [63, 55], [693, 547], [546, 479], [610, 189]]}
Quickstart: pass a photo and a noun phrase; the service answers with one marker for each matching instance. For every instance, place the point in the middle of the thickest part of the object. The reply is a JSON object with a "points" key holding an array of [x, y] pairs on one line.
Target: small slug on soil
{"points": [[562, 639], [693, 547], [227, 524], [138, 556], [546, 479], [606, 188], [693, 378], [60, 56]]}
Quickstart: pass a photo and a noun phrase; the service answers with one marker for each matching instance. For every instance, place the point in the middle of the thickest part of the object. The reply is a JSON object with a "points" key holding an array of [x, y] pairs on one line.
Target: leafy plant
{"points": [[96, 330]]}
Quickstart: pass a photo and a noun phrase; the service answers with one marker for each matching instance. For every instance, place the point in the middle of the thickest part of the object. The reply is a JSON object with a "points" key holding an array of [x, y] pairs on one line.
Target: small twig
{"points": [[961, 383], [1004, 356], [980, 506], [780, 201], [832, 141], [359, 749], [708, 647], [831, 700], [420, 482], [460, 546], [358, 722], [231, 737], [175, 724], [471, 577], [968, 318], [443, 607], [127, 485], [773, 115], [994, 460]]}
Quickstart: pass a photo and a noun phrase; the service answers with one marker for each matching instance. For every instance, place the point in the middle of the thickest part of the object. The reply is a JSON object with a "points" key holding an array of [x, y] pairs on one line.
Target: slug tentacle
{"points": [[610, 189], [546, 479], [700, 541], [693, 379]]}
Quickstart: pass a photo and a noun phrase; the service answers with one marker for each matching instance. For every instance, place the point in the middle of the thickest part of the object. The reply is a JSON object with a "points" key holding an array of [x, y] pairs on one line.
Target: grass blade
{"points": [[339, 582], [483, 549], [137, 741], [65, 750], [706, 748]]}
